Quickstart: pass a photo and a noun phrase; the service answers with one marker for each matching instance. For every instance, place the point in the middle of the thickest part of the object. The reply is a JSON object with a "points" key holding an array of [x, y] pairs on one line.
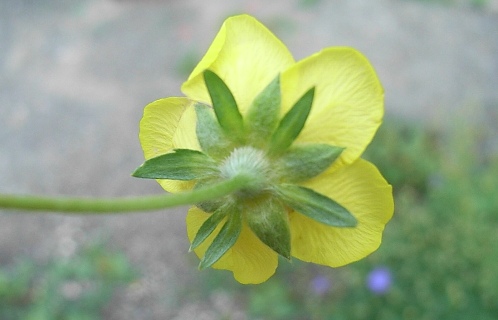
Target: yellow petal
{"points": [[246, 55], [348, 104], [363, 191], [249, 259], [168, 124]]}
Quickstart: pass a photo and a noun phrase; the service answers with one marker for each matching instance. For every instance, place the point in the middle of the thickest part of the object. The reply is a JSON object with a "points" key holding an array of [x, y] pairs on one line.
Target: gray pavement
{"points": [[75, 76]]}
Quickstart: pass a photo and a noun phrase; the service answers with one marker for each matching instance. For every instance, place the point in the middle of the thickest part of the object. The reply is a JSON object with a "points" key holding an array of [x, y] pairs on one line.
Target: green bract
{"points": [[208, 227], [225, 239], [224, 106], [263, 115], [211, 137], [316, 206], [268, 220], [301, 163], [182, 164], [291, 124], [258, 145]]}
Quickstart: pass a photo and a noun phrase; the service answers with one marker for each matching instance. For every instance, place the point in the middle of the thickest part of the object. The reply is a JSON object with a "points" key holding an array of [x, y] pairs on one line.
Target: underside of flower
{"points": [[273, 164], [251, 162], [287, 136]]}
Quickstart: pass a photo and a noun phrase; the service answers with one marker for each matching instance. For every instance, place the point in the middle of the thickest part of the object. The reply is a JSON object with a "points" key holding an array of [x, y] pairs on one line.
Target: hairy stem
{"points": [[80, 205]]}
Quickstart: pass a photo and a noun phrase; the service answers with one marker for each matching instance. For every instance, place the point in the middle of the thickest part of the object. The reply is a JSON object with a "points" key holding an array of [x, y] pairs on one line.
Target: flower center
{"points": [[247, 161]]}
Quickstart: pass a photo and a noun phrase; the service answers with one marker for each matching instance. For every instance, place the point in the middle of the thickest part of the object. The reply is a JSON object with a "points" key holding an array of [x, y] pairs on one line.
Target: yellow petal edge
{"points": [[167, 124], [349, 100], [362, 190], [246, 55], [250, 260]]}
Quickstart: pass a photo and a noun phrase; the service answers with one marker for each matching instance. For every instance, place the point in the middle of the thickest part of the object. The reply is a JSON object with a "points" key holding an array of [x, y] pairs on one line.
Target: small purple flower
{"points": [[320, 285], [379, 280]]}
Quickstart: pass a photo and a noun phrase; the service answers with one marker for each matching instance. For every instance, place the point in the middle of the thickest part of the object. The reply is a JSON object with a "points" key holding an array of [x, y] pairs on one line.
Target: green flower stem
{"points": [[115, 205]]}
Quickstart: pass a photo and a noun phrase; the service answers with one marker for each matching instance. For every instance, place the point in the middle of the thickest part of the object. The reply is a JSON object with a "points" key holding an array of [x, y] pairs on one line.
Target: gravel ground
{"points": [[75, 75]]}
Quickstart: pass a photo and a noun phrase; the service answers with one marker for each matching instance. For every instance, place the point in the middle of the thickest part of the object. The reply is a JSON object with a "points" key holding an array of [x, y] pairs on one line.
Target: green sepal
{"points": [[268, 220], [208, 227], [263, 114], [182, 164], [291, 124], [304, 162], [225, 106], [227, 237], [212, 139], [315, 206]]}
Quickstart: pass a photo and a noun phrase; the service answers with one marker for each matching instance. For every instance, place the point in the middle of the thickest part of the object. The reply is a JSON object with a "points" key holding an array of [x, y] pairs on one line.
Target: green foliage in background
{"points": [[406, 154], [440, 247], [75, 288]]}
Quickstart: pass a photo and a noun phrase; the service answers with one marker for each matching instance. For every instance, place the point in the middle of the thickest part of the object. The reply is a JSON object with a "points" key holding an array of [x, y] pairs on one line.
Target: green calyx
{"points": [[304, 162], [181, 164], [224, 106], [263, 114], [258, 145], [268, 219], [291, 124], [223, 241]]}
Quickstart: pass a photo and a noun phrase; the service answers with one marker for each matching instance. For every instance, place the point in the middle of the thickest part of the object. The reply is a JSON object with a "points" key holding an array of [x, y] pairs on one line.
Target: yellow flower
{"points": [[347, 109]]}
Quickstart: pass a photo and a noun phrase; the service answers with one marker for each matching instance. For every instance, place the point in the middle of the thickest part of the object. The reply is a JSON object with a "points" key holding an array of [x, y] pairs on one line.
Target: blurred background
{"points": [[75, 76]]}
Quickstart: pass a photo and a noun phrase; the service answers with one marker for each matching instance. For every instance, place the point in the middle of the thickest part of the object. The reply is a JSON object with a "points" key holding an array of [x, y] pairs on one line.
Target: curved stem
{"points": [[114, 205]]}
